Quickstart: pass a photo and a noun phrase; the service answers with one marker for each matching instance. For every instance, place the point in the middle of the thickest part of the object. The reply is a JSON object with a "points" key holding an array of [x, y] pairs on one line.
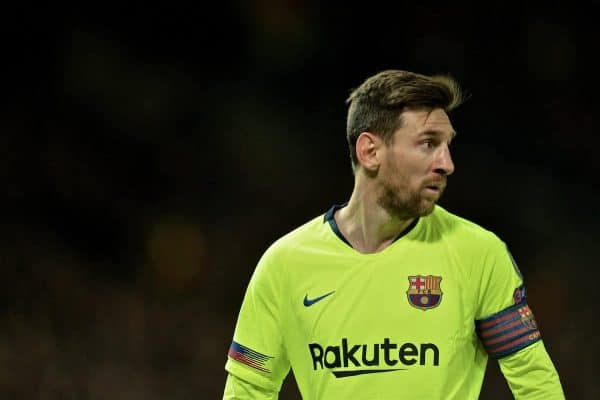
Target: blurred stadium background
{"points": [[150, 154]]}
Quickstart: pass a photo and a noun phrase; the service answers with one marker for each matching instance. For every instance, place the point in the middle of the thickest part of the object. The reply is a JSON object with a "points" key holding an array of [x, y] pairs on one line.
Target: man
{"points": [[390, 296]]}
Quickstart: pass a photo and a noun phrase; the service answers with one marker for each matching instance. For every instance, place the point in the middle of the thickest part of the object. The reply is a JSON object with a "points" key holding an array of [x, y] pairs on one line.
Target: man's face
{"points": [[415, 164]]}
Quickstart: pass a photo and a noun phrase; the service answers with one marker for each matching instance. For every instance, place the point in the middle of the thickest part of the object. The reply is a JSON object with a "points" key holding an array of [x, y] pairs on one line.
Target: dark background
{"points": [[150, 154]]}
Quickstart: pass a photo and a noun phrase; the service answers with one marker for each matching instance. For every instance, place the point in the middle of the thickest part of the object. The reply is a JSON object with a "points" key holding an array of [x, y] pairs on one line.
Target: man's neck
{"points": [[367, 226]]}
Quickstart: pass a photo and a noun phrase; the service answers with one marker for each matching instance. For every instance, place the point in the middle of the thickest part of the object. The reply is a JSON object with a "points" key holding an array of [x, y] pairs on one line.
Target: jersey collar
{"points": [[328, 217]]}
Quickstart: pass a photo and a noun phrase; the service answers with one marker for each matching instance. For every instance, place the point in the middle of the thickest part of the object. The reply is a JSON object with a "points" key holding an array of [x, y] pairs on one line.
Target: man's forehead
{"points": [[424, 120]]}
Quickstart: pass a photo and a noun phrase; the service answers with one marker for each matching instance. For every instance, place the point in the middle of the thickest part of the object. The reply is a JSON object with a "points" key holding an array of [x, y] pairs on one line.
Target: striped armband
{"points": [[249, 357], [508, 331]]}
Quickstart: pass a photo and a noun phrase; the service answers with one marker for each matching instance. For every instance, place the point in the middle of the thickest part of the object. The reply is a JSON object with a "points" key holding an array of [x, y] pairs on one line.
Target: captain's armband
{"points": [[508, 331]]}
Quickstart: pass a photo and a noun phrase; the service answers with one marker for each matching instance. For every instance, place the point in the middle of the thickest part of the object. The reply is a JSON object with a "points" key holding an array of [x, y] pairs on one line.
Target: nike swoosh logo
{"points": [[309, 302], [346, 374]]}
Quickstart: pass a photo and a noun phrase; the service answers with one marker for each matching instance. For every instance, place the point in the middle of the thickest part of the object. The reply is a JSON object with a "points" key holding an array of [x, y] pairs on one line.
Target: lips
{"points": [[435, 187]]}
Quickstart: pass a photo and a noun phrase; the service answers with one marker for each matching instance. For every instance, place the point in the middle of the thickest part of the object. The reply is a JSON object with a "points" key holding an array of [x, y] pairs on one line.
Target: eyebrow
{"points": [[433, 132]]}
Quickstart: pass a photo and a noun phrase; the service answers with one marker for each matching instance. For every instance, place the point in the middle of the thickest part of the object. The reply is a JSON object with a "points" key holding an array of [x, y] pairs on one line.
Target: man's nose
{"points": [[444, 164]]}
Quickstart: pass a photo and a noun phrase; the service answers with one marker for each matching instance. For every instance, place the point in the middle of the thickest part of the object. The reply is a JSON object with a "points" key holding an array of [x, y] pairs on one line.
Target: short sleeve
{"points": [[238, 389], [257, 354], [504, 322], [500, 276]]}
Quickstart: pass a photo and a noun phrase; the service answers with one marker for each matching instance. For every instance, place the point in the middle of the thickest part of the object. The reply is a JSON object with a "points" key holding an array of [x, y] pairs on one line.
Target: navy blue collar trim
{"points": [[334, 226]]}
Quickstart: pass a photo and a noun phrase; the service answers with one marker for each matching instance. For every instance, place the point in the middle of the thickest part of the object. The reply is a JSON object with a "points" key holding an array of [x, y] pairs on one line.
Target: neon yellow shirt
{"points": [[416, 320]]}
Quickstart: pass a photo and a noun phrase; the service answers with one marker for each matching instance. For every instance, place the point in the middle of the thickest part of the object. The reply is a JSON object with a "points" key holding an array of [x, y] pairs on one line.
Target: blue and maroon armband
{"points": [[509, 330]]}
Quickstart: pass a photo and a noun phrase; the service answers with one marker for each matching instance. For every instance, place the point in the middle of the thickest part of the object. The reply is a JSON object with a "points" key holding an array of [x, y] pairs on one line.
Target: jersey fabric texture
{"points": [[416, 320]]}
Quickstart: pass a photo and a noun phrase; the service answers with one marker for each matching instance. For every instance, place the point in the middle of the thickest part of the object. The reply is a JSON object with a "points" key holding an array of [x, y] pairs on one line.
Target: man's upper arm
{"points": [[503, 320], [508, 331], [239, 389], [257, 354]]}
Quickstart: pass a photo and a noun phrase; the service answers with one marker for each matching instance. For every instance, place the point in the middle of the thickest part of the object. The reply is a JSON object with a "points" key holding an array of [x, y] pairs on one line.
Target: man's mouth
{"points": [[435, 187]]}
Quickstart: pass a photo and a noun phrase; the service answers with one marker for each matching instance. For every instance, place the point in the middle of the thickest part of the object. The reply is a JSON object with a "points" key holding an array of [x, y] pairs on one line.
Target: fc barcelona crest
{"points": [[527, 318], [424, 291]]}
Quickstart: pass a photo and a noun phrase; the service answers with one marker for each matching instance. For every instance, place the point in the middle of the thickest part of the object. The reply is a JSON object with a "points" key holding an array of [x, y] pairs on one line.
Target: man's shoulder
{"points": [[306, 231], [461, 227], [312, 231]]}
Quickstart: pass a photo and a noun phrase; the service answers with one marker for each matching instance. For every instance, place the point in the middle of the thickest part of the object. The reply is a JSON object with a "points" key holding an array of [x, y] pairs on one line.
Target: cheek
{"points": [[404, 169], [408, 169], [416, 168], [399, 178]]}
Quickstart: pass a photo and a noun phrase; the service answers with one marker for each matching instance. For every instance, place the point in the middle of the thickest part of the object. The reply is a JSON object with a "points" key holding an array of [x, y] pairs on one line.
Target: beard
{"points": [[402, 202]]}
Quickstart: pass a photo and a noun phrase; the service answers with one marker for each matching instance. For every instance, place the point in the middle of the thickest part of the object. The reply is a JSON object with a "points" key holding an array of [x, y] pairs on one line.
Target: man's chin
{"points": [[426, 208]]}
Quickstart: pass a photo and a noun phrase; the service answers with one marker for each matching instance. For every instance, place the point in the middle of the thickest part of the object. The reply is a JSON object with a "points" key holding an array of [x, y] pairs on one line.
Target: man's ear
{"points": [[368, 151]]}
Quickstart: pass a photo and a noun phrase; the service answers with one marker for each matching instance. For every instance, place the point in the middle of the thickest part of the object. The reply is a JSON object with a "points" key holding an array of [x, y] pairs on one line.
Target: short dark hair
{"points": [[377, 104]]}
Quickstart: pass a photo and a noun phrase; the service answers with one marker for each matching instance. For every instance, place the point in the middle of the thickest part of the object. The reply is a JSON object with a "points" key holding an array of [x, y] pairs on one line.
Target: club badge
{"points": [[424, 292], [527, 318]]}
